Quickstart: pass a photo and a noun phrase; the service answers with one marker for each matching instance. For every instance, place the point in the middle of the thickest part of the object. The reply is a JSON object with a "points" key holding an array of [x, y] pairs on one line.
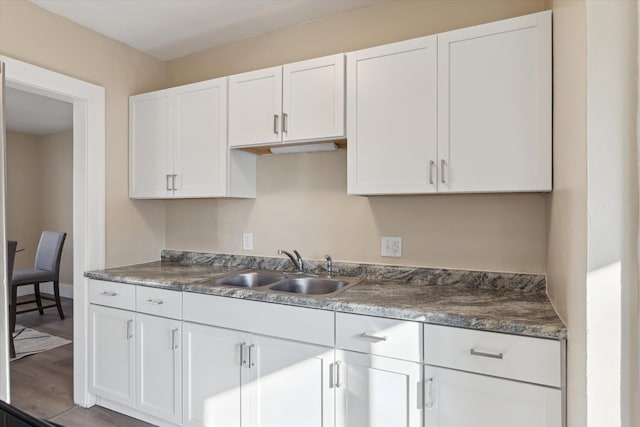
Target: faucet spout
{"points": [[297, 260]]}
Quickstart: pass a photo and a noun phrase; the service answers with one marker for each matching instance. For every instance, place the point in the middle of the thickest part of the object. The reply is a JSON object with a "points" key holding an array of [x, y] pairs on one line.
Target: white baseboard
{"points": [[66, 290]]}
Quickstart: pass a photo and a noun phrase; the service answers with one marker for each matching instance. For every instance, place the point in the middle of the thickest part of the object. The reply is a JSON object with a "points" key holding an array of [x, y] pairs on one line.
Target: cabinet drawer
{"points": [[159, 302], [534, 360], [112, 294], [283, 321], [400, 339]]}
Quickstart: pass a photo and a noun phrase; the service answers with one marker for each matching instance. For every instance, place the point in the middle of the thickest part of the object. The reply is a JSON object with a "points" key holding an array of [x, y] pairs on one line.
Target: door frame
{"points": [[88, 199]]}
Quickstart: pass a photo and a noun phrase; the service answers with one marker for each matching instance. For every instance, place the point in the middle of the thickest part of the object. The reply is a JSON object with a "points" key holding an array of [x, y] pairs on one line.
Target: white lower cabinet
{"points": [[234, 378], [457, 399], [240, 363], [212, 375], [112, 351], [159, 367], [135, 359], [486, 379], [378, 376], [375, 391]]}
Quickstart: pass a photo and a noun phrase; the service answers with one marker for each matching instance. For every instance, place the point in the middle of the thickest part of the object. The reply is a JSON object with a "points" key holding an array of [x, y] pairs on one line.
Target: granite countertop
{"points": [[461, 304]]}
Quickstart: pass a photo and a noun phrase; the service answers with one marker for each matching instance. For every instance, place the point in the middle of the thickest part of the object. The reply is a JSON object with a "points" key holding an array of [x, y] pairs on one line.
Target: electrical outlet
{"points": [[392, 246], [247, 241]]}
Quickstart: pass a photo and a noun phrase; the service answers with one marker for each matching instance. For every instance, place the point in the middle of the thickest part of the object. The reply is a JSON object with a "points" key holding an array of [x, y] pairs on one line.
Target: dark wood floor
{"points": [[42, 384]]}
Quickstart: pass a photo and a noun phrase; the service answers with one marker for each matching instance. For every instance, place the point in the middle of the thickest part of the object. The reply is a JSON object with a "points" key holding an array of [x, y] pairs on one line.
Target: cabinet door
{"points": [[159, 367], [211, 376], [456, 398], [289, 385], [391, 118], [200, 145], [494, 92], [112, 354], [150, 163], [313, 99], [255, 104], [375, 391]]}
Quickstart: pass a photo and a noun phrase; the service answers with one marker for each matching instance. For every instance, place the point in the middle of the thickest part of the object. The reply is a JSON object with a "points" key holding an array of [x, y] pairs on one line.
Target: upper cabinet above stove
{"points": [[298, 102]]}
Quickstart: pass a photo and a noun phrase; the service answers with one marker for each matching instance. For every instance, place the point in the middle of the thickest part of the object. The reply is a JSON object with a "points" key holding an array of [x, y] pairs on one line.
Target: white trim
{"points": [[66, 290], [4, 321], [88, 192]]}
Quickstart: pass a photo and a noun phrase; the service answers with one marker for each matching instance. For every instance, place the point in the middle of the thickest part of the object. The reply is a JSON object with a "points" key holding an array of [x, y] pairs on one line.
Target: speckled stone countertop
{"points": [[476, 300]]}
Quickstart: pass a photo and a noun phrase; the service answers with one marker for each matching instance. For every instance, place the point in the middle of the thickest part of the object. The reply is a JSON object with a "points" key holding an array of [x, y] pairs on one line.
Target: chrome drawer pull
{"points": [[430, 393], [174, 342], [473, 352], [109, 294], [155, 301], [243, 361], [129, 329], [372, 337], [252, 362]]}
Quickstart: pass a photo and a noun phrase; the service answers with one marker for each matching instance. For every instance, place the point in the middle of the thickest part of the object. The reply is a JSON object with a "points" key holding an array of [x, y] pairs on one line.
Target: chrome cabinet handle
{"points": [[285, 122], [373, 337], [431, 165], [243, 361], [337, 364], [251, 361], [442, 162], [109, 294], [154, 301], [174, 342], [275, 123], [430, 393], [168, 183], [173, 182], [473, 352], [129, 329]]}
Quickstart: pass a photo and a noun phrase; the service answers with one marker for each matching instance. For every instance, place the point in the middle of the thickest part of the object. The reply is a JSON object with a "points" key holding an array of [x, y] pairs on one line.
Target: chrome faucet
{"points": [[297, 261], [329, 262]]}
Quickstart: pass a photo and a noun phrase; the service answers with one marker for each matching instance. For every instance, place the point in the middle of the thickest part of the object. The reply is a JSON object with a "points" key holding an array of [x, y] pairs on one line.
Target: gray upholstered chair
{"points": [[46, 269], [11, 256]]}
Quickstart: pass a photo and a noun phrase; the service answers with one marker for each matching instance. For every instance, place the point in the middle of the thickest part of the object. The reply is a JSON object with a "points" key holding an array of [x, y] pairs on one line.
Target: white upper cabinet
{"points": [[313, 99], [391, 118], [178, 145], [297, 102], [464, 111], [255, 104], [494, 106], [149, 133]]}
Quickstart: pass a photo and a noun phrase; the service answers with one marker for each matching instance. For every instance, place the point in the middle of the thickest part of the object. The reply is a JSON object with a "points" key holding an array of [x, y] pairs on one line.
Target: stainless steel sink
{"points": [[312, 286], [250, 279]]}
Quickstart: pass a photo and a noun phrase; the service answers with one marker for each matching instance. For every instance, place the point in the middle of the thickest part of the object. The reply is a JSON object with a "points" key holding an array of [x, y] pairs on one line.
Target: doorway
{"points": [[39, 197], [88, 102]]}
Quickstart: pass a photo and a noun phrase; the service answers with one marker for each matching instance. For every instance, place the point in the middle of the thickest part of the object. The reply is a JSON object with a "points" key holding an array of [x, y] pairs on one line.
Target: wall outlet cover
{"points": [[392, 246], [247, 241]]}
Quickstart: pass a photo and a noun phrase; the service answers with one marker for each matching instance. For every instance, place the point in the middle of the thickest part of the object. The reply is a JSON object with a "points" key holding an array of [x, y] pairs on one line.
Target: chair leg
{"points": [[56, 292], [12, 309], [12, 320], [36, 290]]}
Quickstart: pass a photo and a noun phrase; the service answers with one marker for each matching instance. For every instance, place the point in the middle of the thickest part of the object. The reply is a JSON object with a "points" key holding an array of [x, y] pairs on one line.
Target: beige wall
{"points": [[23, 195], [592, 263], [567, 208], [612, 263], [302, 199], [134, 230]]}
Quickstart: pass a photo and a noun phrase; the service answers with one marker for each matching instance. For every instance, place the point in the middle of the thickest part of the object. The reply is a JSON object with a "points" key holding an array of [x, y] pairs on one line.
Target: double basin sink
{"points": [[286, 282]]}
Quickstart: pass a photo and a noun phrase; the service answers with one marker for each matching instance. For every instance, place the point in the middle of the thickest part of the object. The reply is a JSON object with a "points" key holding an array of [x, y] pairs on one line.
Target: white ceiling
{"points": [[166, 29], [169, 29], [36, 114]]}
